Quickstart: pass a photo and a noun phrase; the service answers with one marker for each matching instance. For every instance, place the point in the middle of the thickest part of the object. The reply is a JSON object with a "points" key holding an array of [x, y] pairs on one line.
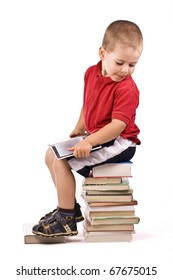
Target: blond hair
{"points": [[122, 31]]}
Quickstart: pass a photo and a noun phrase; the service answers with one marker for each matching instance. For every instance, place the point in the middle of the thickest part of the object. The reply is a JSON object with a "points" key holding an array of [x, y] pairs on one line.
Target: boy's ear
{"points": [[102, 53]]}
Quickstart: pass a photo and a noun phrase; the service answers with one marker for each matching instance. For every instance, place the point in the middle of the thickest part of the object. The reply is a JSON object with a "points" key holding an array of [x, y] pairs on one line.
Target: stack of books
{"points": [[109, 204]]}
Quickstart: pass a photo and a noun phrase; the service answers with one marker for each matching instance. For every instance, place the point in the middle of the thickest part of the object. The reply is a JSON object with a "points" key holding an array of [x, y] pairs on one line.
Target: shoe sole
{"points": [[55, 235]]}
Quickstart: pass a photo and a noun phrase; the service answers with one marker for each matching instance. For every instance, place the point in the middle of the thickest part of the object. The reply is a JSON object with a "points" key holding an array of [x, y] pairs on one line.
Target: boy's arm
{"points": [[105, 134], [80, 127]]}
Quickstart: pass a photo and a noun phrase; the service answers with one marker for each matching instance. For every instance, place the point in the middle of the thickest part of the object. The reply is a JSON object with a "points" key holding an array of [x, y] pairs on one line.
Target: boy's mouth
{"points": [[118, 78]]}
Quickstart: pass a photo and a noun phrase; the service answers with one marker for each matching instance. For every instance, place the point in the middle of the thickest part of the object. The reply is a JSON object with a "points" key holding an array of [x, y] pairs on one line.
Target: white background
{"points": [[45, 48]]}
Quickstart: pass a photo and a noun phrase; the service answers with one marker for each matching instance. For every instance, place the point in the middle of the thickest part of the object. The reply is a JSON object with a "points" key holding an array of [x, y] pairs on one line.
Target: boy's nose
{"points": [[125, 69]]}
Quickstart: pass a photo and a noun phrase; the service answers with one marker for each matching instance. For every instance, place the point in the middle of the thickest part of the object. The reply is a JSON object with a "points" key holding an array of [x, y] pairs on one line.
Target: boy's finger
{"points": [[71, 149]]}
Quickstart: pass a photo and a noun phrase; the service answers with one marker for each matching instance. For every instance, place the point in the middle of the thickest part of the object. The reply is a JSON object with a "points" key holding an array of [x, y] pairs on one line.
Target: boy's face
{"points": [[120, 63]]}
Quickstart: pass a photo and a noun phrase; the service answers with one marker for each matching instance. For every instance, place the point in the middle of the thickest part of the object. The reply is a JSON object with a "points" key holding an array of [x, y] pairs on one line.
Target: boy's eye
{"points": [[119, 63]]}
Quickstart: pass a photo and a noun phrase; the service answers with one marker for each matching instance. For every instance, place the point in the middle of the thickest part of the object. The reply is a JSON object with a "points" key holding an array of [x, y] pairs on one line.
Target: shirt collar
{"points": [[99, 75]]}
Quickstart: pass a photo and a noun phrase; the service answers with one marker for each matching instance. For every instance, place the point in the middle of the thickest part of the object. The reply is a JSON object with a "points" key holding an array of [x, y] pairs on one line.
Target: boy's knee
{"points": [[49, 157], [61, 166]]}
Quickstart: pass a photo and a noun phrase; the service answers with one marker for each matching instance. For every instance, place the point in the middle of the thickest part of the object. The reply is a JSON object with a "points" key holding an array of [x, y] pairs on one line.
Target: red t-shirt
{"points": [[105, 99]]}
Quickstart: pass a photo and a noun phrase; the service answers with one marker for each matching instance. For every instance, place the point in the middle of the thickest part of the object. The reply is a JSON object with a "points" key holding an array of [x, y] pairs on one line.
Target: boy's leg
{"points": [[49, 160], [51, 164], [63, 221], [63, 179], [64, 183]]}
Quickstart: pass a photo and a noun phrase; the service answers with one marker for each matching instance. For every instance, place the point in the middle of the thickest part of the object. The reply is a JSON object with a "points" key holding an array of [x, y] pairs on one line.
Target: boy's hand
{"points": [[77, 132], [81, 149]]}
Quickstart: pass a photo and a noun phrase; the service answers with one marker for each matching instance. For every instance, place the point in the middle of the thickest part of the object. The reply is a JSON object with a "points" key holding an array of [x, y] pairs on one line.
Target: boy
{"points": [[108, 116]]}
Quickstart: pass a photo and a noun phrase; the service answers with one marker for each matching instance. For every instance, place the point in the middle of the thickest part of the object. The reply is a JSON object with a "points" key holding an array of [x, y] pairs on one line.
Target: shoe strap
{"points": [[62, 221]]}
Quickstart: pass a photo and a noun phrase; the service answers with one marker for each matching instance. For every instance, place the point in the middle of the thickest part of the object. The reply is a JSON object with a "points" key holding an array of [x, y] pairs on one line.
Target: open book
{"points": [[61, 149]]}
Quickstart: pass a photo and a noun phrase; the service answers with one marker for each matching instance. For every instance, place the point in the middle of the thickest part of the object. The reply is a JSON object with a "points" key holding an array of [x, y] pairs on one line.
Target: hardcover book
{"points": [[30, 238], [112, 220], [120, 203], [110, 192], [107, 198], [122, 227], [102, 181], [110, 211], [105, 185], [105, 236], [122, 169]]}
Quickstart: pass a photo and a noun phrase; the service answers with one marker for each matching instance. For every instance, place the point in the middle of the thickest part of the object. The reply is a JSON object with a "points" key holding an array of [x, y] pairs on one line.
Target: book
{"points": [[61, 151], [105, 236], [107, 198], [103, 192], [122, 227], [121, 169], [120, 203], [109, 211], [106, 185], [102, 181], [112, 220], [30, 238]]}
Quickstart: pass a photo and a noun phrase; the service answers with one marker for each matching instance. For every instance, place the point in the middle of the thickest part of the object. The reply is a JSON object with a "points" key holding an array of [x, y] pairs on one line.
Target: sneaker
{"points": [[58, 224]]}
